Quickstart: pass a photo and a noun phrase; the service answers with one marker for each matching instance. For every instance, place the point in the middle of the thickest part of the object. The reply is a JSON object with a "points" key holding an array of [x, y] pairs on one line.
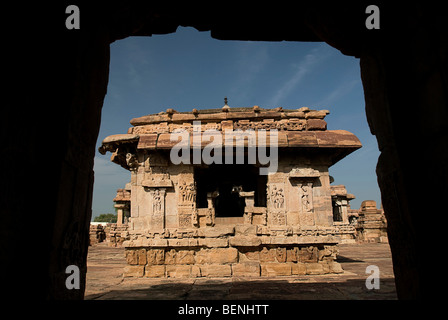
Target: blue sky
{"points": [[189, 69]]}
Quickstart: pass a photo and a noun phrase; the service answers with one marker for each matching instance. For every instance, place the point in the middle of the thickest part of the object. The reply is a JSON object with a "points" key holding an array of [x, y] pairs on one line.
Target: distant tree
{"points": [[106, 217]]}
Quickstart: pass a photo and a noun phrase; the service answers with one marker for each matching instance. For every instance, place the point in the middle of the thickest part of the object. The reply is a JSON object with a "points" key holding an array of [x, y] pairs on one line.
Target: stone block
{"points": [[314, 268], [178, 242], [246, 269], [245, 241], [216, 270], [316, 124], [195, 271], [170, 256], [307, 254], [273, 269], [267, 255], [217, 255], [335, 267], [245, 229], [185, 257], [141, 253], [216, 232], [133, 271], [280, 254], [249, 255], [325, 266], [178, 271], [155, 256], [213, 242], [298, 268], [132, 257], [155, 271], [291, 254]]}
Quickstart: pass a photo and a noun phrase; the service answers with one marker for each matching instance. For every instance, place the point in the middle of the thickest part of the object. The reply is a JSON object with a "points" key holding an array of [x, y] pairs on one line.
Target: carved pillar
{"points": [[120, 207], [187, 213], [210, 218], [249, 201]]}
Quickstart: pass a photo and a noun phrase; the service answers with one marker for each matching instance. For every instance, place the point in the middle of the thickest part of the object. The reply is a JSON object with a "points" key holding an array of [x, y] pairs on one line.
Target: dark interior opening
{"points": [[337, 215], [223, 178]]}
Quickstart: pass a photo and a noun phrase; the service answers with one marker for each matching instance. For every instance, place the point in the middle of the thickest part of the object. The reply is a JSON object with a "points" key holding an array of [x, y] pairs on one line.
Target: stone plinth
{"points": [[233, 251]]}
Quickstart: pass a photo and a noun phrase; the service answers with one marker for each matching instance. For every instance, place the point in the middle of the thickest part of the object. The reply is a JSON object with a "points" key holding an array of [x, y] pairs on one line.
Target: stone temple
{"points": [[232, 192]]}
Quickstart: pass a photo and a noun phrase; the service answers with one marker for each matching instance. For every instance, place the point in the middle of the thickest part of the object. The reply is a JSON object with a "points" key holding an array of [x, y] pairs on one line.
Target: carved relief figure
{"points": [[157, 202], [306, 198], [277, 198], [187, 193]]}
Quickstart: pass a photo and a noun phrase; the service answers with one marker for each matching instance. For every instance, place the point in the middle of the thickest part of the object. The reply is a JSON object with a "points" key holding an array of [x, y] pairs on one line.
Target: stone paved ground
{"points": [[105, 281]]}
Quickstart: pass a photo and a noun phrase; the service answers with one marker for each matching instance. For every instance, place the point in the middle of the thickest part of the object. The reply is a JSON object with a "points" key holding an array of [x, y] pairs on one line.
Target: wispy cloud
{"points": [[339, 92], [253, 59], [316, 56]]}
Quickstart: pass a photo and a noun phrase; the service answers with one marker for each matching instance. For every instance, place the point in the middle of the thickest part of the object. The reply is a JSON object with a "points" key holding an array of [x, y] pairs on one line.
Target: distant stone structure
{"points": [[340, 203], [371, 223], [122, 204], [96, 234], [200, 219]]}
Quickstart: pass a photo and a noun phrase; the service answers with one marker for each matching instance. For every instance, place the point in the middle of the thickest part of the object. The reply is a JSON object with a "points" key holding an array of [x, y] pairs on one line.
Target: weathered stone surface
{"points": [[245, 230], [335, 267], [245, 241], [185, 257], [213, 242], [298, 268], [132, 257], [316, 124], [124, 137], [133, 271], [216, 270], [314, 268], [156, 256], [155, 271], [141, 253], [246, 269], [170, 257], [275, 269], [217, 255], [147, 141], [215, 232], [178, 271]]}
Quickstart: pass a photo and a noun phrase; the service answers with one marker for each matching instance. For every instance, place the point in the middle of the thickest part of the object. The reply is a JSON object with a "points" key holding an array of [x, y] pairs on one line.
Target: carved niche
{"points": [[306, 216], [187, 212], [303, 179], [157, 217], [277, 204]]}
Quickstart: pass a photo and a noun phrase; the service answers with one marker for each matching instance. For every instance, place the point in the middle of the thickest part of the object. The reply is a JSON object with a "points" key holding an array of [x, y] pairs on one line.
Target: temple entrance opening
{"points": [[228, 181]]}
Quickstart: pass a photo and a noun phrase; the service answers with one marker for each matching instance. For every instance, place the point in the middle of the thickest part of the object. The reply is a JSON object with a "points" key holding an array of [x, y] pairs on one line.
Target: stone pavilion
{"points": [[226, 217]]}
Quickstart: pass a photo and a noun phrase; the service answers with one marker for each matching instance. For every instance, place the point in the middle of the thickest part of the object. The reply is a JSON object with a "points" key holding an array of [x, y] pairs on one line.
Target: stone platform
{"points": [[105, 280]]}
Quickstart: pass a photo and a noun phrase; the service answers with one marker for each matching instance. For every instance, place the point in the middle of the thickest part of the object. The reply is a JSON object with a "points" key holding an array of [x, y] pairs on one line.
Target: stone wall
{"points": [[232, 251], [116, 234]]}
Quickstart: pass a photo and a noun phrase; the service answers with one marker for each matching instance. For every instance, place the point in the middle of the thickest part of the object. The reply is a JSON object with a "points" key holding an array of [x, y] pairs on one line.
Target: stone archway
{"points": [[59, 80]]}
